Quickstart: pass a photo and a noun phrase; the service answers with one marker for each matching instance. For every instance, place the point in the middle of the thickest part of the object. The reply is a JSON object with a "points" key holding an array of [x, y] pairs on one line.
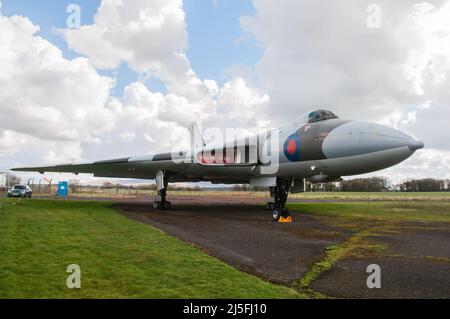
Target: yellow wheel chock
{"points": [[285, 219]]}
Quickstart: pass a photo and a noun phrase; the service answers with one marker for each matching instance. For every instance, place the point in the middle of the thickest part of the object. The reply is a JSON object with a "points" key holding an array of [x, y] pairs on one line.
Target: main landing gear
{"points": [[162, 204], [162, 182], [280, 195]]}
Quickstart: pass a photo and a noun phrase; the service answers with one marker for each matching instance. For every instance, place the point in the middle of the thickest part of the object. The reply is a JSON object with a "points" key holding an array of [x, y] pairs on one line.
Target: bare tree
{"points": [[12, 180]]}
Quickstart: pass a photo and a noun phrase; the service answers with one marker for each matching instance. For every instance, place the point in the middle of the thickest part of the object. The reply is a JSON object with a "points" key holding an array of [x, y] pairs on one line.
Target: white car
{"points": [[20, 191]]}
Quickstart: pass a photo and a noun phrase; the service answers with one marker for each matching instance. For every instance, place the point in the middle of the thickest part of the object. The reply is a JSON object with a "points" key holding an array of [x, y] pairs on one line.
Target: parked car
{"points": [[20, 191]]}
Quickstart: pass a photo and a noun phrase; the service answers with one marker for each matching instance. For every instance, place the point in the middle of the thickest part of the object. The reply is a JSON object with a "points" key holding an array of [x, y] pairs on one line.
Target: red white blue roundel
{"points": [[292, 148]]}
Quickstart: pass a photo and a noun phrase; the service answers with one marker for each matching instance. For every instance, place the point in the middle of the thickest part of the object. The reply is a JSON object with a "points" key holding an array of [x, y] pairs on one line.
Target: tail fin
{"points": [[197, 141]]}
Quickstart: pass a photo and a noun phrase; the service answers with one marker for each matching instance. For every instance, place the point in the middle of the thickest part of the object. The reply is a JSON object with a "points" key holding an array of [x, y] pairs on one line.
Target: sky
{"points": [[130, 77]]}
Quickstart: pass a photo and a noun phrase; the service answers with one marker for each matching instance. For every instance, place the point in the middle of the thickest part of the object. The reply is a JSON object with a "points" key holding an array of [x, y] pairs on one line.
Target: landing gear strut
{"points": [[280, 194], [162, 182]]}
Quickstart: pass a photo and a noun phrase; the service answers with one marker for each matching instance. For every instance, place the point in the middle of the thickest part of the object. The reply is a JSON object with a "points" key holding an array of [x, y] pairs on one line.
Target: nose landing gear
{"points": [[280, 194], [282, 215]]}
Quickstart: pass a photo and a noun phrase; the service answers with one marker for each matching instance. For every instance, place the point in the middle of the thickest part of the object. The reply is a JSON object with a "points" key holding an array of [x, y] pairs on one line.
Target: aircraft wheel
{"points": [[159, 205], [276, 215]]}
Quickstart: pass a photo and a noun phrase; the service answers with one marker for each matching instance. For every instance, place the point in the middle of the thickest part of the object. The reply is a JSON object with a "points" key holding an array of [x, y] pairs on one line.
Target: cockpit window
{"points": [[313, 117], [320, 115]]}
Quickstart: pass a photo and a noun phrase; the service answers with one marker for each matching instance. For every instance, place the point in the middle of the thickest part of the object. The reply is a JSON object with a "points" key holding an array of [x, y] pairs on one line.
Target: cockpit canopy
{"points": [[314, 117], [320, 115]]}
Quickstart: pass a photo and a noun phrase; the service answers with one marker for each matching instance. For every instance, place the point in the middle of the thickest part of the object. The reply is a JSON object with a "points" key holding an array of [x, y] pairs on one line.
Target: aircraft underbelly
{"points": [[346, 166]]}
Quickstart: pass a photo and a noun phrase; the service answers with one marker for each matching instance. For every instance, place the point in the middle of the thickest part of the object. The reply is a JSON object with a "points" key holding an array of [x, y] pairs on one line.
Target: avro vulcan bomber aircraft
{"points": [[319, 147]]}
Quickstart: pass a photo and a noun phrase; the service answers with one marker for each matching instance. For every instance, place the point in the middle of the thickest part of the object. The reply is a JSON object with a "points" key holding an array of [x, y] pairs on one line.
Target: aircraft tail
{"points": [[197, 141]]}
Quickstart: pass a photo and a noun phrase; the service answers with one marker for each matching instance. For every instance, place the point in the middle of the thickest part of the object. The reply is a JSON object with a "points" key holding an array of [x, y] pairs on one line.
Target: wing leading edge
{"points": [[130, 167]]}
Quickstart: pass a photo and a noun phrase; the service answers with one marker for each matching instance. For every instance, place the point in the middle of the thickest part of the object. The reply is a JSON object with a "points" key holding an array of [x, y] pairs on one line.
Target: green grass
{"points": [[119, 258], [388, 211]]}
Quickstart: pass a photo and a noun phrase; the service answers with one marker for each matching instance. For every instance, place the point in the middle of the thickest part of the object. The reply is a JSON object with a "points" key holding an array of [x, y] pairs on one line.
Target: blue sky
{"points": [[213, 27], [214, 33]]}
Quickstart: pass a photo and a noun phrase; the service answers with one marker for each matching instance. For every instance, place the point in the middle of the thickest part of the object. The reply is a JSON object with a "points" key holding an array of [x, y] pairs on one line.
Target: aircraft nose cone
{"points": [[416, 145], [355, 138], [388, 138]]}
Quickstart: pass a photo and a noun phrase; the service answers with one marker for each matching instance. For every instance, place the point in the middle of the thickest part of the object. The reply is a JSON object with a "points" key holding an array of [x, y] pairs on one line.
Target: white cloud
{"points": [[127, 137], [43, 94], [150, 36], [428, 63], [68, 153], [237, 98], [11, 142], [144, 34]]}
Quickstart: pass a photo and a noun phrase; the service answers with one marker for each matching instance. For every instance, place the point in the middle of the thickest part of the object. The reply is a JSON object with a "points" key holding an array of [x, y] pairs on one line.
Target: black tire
{"points": [[276, 215], [159, 205]]}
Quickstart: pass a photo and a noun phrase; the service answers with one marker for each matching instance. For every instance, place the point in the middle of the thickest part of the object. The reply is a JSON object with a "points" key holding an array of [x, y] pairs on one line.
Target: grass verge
{"points": [[119, 258], [378, 211]]}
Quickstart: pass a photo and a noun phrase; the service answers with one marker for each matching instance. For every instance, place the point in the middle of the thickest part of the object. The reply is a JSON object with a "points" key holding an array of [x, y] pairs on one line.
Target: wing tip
{"points": [[26, 169]]}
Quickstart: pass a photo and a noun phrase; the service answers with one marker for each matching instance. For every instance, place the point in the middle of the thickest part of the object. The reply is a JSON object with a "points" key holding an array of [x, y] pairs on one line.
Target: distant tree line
{"points": [[425, 185], [382, 184], [248, 188], [371, 184]]}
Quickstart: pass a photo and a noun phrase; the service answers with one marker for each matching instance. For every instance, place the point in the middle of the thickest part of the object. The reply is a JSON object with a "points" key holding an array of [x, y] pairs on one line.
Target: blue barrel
{"points": [[63, 189]]}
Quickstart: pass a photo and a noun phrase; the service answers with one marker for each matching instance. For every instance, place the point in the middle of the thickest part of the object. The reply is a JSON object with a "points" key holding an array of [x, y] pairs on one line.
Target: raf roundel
{"points": [[292, 148]]}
